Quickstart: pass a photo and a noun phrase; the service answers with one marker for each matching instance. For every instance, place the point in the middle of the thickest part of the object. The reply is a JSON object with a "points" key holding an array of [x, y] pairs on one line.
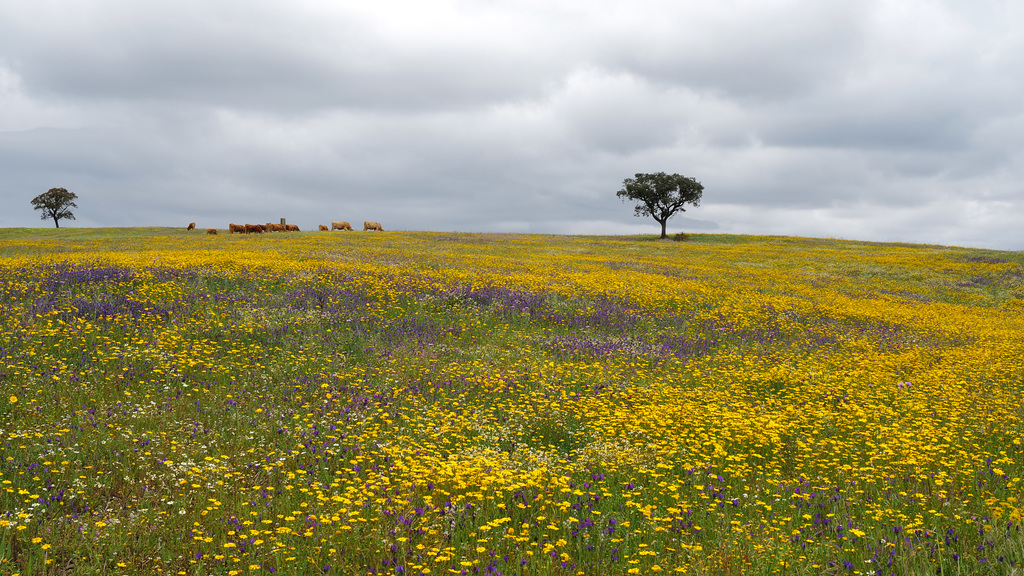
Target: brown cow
{"points": [[291, 228], [211, 231], [372, 226], [232, 228], [341, 226], [191, 226], [253, 229], [324, 228]]}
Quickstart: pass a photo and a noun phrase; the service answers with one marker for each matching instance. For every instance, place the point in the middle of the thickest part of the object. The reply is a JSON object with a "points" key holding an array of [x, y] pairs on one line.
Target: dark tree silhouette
{"points": [[56, 203], [661, 195]]}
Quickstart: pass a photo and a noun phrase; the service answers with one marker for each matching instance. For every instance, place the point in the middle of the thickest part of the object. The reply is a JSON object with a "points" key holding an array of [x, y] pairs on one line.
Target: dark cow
{"points": [[233, 228], [211, 231], [191, 226]]}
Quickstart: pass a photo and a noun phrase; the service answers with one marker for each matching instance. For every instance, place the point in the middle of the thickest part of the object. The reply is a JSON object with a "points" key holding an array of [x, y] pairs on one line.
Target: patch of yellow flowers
{"points": [[569, 404]]}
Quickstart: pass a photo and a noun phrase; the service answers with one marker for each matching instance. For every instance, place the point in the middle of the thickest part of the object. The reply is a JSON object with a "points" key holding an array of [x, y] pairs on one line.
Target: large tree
{"points": [[661, 195], [56, 203]]}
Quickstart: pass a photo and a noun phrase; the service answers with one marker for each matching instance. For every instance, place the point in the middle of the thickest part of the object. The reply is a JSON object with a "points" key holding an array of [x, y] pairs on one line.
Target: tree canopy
{"points": [[56, 203], [661, 195]]}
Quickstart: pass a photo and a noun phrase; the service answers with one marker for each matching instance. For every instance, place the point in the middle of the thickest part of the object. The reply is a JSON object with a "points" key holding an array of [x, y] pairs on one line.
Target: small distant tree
{"points": [[56, 203], [661, 195]]}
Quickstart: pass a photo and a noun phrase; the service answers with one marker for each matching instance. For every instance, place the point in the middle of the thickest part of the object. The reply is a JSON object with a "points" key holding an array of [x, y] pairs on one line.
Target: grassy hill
{"points": [[425, 403]]}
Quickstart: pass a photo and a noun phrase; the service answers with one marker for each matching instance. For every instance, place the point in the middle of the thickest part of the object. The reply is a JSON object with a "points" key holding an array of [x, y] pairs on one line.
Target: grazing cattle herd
{"points": [[268, 227]]}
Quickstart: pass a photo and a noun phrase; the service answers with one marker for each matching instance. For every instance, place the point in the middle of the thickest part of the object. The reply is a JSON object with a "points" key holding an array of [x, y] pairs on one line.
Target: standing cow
{"points": [[291, 228], [341, 226], [211, 231], [372, 226], [236, 228], [324, 228], [191, 226]]}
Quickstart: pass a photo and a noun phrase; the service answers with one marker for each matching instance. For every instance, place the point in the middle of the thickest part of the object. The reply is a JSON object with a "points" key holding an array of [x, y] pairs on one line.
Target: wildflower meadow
{"points": [[442, 403]]}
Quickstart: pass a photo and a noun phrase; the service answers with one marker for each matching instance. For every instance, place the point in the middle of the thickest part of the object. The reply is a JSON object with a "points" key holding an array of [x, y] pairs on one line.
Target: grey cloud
{"points": [[259, 56], [744, 50], [872, 120], [859, 130]]}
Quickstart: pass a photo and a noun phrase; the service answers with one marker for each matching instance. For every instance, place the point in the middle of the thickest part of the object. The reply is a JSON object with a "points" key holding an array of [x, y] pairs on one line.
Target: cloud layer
{"points": [[875, 120]]}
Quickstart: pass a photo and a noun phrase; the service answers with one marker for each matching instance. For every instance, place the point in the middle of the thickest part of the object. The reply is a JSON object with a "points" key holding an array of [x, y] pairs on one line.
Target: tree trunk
{"points": [[55, 221], [663, 223]]}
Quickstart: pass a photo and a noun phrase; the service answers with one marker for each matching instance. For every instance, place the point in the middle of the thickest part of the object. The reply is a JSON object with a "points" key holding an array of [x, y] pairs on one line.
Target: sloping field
{"points": [[422, 403]]}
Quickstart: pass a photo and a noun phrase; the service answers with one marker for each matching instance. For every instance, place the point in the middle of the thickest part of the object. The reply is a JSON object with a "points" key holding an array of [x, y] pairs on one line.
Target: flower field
{"points": [[428, 403]]}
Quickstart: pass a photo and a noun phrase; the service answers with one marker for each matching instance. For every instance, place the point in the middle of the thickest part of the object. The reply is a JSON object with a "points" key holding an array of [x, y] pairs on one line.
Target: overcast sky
{"points": [[889, 120]]}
